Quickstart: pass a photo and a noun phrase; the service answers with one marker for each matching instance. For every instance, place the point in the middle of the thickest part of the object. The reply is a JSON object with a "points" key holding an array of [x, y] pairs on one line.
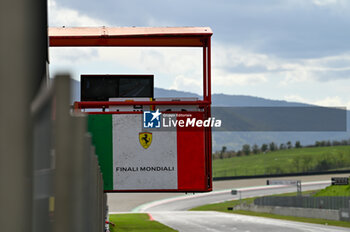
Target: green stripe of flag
{"points": [[100, 126]]}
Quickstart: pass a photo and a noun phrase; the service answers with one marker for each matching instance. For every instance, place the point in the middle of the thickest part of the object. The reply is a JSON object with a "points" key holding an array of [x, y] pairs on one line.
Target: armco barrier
{"points": [[68, 187], [335, 203]]}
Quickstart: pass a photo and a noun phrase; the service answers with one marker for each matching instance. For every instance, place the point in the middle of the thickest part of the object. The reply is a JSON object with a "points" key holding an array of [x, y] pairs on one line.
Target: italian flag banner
{"points": [[132, 159]]}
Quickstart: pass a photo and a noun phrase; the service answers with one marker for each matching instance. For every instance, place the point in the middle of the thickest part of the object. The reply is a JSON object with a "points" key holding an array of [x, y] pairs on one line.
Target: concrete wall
{"points": [[344, 214], [291, 211], [325, 202]]}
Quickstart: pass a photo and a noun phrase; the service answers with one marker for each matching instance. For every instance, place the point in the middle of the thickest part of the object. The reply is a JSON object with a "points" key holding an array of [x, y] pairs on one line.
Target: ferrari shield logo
{"points": [[145, 139]]}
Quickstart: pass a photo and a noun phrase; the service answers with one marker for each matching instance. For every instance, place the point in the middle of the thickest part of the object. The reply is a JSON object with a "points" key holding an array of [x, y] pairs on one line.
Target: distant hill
{"points": [[217, 99], [235, 140], [242, 100], [227, 100]]}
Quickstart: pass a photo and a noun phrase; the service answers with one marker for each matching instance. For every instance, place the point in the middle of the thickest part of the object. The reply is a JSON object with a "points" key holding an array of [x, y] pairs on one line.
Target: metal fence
{"points": [[335, 203], [68, 186]]}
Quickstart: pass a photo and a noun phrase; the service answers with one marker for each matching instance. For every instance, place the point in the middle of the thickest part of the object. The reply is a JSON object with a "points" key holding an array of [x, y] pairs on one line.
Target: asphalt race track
{"points": [[171, 211], [187, 202], [193, 221], [126, 202]]}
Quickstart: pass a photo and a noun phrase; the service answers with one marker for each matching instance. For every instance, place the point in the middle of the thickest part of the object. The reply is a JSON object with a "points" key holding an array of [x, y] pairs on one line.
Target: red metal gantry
{"points": [[145, 37]]}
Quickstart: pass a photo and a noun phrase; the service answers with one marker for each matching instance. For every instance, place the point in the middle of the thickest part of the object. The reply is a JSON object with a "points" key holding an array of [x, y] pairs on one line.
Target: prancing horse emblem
{"points": [[145, 139]]}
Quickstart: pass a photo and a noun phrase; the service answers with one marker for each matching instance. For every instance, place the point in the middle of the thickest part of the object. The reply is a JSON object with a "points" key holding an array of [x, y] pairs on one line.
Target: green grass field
{"points": [[285, 161], [334, 190], [136, 223]]}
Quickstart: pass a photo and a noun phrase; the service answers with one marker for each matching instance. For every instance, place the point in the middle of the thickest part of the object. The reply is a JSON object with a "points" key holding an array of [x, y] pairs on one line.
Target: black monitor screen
{"points": [[103, 87]]}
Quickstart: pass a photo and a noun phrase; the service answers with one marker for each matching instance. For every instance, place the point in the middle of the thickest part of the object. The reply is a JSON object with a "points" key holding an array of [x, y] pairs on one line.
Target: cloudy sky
{"points": [[294, 50]]}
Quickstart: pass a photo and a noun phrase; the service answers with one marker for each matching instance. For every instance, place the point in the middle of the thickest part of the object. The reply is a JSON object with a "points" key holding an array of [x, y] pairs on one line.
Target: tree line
{"points": [[270, 147]]}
